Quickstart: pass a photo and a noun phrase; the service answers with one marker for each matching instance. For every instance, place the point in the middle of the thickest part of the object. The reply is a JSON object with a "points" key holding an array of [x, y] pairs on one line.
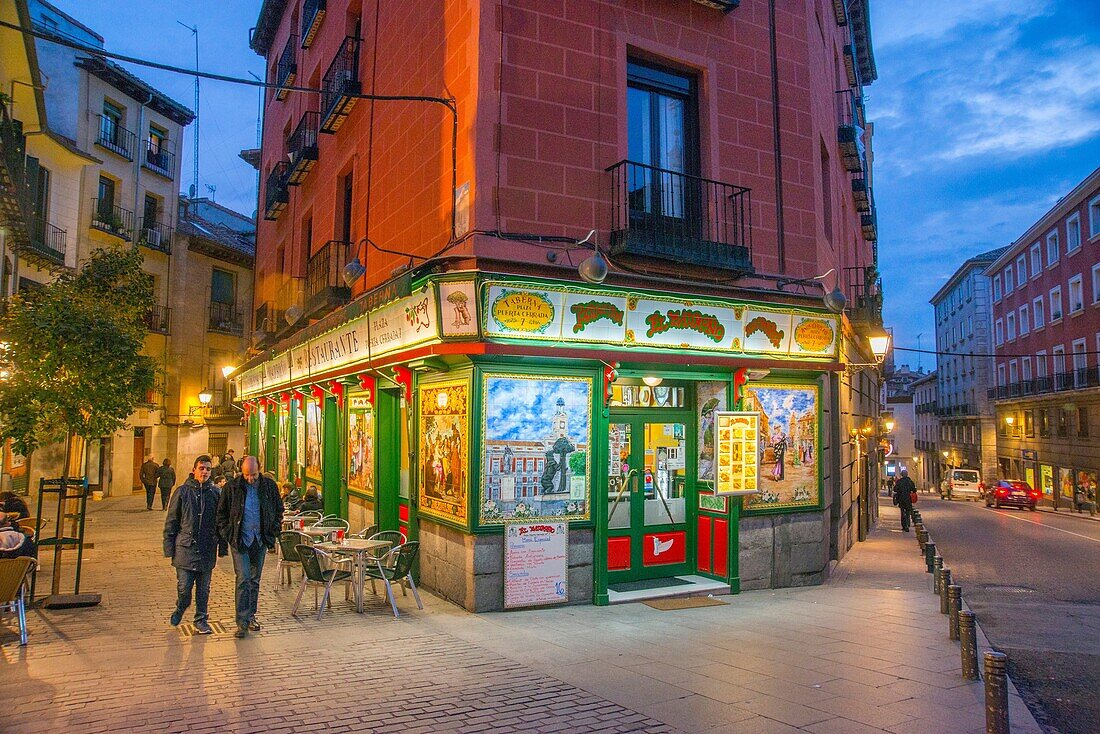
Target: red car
{"points": [[1011, 493]]}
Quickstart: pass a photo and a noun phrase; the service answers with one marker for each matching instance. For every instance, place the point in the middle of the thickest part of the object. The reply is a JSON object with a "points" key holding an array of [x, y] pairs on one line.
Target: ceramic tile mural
{"points": [[535, 447], [283, 469], [360, 445], [313, 441], [789, 446], [710, 397], [444, 450]]}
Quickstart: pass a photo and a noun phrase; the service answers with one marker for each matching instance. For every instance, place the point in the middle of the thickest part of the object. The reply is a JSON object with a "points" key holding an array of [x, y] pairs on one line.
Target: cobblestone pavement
{"points": [[867, 652]]}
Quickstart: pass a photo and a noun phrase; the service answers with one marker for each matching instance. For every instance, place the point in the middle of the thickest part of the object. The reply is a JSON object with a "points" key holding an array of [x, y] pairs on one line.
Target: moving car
{"points": [[1011, 493], [962, 483]]}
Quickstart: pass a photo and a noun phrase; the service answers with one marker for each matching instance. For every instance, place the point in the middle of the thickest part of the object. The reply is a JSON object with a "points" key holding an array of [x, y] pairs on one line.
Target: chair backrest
{"points": [[332, 521], [289, 540], [309, 517], [13, 571], [404, 556], [313, 561], [395, 537], [367, 532], [27, 523]]}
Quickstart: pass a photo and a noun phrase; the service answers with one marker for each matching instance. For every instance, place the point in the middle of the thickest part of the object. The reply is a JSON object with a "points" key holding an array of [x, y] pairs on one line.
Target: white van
{"points": [[962, 484]]}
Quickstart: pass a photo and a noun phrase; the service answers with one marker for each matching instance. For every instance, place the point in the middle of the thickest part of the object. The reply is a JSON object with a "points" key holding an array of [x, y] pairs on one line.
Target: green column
{"points": [[292, 446], [332, 456], [253, 434]]}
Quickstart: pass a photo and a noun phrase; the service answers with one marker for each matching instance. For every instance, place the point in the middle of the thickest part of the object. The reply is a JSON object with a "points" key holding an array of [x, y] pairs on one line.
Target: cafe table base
{"points": [[361, 552]]}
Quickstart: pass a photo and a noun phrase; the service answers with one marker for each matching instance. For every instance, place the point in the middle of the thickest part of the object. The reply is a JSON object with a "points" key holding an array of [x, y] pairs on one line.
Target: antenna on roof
{"points": [[212, 189]]}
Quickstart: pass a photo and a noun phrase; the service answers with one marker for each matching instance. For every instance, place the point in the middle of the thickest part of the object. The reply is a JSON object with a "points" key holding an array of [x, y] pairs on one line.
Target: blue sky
{"points": [[521, 409], [780, 403], [986, 112]]}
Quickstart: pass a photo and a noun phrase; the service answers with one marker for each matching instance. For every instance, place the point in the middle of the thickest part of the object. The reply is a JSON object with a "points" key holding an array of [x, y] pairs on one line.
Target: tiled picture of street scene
{"points": [[788, 446]]}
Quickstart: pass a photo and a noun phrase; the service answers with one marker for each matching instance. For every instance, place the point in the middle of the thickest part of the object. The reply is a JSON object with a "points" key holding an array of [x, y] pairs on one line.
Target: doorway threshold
{"points": [[690, 585]]}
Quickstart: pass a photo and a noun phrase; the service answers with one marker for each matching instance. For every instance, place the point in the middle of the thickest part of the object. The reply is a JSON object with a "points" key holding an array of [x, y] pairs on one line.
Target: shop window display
{"points": [[789, 447], [360, 445], [443, 451]]}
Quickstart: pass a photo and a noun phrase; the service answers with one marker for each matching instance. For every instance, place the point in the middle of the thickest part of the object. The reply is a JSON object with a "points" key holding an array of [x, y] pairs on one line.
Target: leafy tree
{"points": [[578, 463]]}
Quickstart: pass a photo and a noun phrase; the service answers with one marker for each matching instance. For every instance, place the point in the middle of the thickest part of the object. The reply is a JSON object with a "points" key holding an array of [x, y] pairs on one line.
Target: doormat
{"points": [[647, 584], [685, 602]]}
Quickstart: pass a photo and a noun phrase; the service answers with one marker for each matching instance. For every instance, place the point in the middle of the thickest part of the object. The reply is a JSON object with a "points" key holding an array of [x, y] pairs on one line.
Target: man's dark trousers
{"points": [[248, 563], [165, 492], [200, 580], [150, 494]]}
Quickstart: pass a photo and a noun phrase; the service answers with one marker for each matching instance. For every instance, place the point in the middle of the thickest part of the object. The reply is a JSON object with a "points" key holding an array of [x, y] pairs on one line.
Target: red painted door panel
{"points": [[660, 549], [702, 536], [618, 554]]}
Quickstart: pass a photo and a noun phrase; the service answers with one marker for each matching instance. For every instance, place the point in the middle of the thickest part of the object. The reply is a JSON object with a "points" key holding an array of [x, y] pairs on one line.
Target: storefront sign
{"points": [[526, 312], [277, 370], [536, 564], [682, 324], [252, 381], [299, 361], [338, 347], [403, 323], [458, 308], [738, 471]]}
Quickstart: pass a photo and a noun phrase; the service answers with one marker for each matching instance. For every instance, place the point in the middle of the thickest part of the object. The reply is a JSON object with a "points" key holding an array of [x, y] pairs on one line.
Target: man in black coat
{"points": [[250, 517], [903, 497], [191, 541], [149, 480]]}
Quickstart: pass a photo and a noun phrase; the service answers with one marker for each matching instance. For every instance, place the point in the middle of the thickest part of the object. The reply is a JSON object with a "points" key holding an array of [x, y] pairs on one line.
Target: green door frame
{"points": [[387, 467], [332, 456]]}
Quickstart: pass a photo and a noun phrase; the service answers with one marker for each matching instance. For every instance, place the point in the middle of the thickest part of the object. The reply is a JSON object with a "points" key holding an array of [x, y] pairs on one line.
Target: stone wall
{"points": [[783, 550]]}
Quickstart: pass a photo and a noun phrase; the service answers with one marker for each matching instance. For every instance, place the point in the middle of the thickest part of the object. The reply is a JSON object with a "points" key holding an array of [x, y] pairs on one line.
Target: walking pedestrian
{"points": [[250, 516], [191, 541], [904, 489], [149, 480], [229, 465], [166, 479]]}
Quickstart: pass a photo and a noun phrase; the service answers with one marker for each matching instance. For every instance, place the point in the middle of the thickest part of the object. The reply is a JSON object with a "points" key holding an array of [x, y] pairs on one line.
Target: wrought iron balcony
{"points": [[869, 220], [313, 14], [16, 202], [865, 294], [850, 130], [851, 66], [672, 216], [340, 86], [840, 10], [286, 71], [113, 220], [47, 245], [301, 148], [158, 319], [115, 138], [225, 319], [159, 158], [325, 287], [1080, 379], [266, 324], [276, 194], [155, 235], [861, 193]]}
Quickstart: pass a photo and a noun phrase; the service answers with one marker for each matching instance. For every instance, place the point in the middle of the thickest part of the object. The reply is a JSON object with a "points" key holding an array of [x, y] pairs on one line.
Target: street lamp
{"points": [[206, 395], [888, 422], [879, 341]]}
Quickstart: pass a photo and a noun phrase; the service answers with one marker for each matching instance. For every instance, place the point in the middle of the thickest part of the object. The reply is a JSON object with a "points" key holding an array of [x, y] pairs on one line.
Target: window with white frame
{"points": [[1038, 310], [1021, 270], [1094, 217], [1058, 359], [1010, 326], [1036, 260], [1073, 233], [1025, 369], [1096, 283], [1080, 362], [996, 287], [1055, 303], [1076, 294], [1041, 363], [1052, 247], [999, 333], [1000, 375], [1025, 325], [970, 326], [1007, 282], [1013, 372]]}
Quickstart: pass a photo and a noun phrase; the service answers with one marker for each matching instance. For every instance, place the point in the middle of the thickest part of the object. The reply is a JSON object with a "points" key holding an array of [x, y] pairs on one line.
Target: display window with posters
{"points": [[261, 446], [360, 443], [789, 444], [443, 451], [282, 469], [1046, 478], [1065, 482], [313, 441]]}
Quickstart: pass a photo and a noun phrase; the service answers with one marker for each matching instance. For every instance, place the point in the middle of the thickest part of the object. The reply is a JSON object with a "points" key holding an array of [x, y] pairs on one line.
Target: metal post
{"points": [[937, 570], [922, 537], [929, 554], [969, 638], [954, 605], [996, 693], [945, 581]]}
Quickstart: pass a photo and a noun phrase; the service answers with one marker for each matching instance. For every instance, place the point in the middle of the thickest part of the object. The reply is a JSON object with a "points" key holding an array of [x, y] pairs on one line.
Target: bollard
{"points": [[929, 554], [996, 693], [922, 538], [937, 569], [968, 636], [945, 581], [915, 514], [954, 605]]}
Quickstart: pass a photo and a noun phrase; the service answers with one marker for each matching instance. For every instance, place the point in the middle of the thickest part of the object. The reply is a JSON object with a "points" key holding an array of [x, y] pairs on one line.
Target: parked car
{"points": [[1011, 493], [962, 483]]}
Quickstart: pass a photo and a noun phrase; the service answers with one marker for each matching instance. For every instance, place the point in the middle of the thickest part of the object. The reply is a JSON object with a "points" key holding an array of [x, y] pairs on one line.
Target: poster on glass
{"points": [[283, 469], [443, 451], [360, 445], [788, 446], [710, 398], [313, 441]]}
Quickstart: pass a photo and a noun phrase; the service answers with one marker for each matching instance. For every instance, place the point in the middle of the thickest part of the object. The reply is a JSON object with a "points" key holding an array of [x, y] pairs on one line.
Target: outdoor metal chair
{"points": [[403, 557], [395, 539], [313, 563], [289, 540], [26, 524], [366, 532], [333, 521], [13, 587]]}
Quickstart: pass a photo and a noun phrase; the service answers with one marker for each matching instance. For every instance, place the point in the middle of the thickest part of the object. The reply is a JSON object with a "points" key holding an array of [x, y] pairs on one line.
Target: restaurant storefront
{"points": [[657, 427]]}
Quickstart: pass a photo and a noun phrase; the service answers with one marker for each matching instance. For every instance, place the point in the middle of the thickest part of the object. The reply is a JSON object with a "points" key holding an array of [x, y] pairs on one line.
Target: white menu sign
{"points": [[536, 563]]}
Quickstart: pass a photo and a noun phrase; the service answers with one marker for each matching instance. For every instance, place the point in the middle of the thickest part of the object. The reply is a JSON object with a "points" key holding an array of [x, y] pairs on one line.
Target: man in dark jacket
{"points": [[903, 497], [191, 541], [149, 480], [250, 517], [166, 479]]}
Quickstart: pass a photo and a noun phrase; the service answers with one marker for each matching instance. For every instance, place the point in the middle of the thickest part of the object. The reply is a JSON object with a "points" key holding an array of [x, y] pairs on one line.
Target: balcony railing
{"points": [[340, 86], [159, 158], [1079, 379], [325, 287], [313, 13], [267, 321], [115, 138], [112, 219], [301, 148], [849, 133], [286, 71], [861, 193], [16, 202], [684, 219], [869, 220], [47, 243], [155, 235], [225, 319], [865, 292], [276, 194], [158, 319], [955, 411]]}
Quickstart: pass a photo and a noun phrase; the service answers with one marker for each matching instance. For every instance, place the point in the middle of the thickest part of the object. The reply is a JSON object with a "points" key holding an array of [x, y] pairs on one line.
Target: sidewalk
{"points": [[867, 652]]}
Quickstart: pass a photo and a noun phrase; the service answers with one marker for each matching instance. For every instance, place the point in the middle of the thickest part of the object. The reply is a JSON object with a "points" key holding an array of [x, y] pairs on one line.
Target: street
{"points": [[1030, 577]]}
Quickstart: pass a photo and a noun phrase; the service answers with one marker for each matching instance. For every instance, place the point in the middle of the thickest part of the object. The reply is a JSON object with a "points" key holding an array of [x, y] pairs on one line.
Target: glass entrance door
{"points": [[649, 497]]}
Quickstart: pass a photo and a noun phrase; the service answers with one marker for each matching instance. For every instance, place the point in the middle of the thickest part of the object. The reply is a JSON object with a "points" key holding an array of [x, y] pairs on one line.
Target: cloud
{"points": [[518, 409], [906, 22]]}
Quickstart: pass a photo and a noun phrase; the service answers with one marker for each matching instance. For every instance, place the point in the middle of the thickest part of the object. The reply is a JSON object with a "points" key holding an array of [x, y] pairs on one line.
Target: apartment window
{"points": [[1044, 422], [1029, 424], [1041, 363], [1008, 279], [1082, 422], [999, 333], [1010, 326], [110, 123], [1080, 363], [996, 287], [106, 192], [1025, 326], [1096, 283], [1073, 233], [1000, 375], [41, 193], [1013, 372], [1076, 294], [1052, 248], [970, 326], [1036, 260], [1021, 270], [223, 289], [149, 212], [1055, 303], [158, 136], [1094, 217], [1037, 310], [1025, 369], [826, 193], [1063, 422], [1058, 355]]}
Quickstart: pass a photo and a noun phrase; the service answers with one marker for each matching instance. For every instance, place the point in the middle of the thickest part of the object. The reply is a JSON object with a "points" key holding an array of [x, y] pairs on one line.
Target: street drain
{"points": [[1007, 589]]}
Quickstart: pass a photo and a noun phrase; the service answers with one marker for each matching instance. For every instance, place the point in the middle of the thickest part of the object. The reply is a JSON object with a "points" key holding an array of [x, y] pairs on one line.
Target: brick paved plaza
{"points": [[866, 652]]}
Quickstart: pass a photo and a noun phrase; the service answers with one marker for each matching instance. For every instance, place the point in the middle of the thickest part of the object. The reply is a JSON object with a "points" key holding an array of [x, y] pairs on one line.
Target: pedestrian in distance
{"points": [[166, 479], [149, 480], [904, 491], [250, 516], [229, 466], [191, 541]]}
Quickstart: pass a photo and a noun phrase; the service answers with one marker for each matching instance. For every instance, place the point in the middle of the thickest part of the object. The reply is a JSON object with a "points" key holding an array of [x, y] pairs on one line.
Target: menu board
{"points": [[736, 448], [536, 563]]}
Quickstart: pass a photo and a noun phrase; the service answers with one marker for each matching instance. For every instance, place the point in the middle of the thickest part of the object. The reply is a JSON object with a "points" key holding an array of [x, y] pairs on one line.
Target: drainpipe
{"points": [[137, 162], [780, 245]]}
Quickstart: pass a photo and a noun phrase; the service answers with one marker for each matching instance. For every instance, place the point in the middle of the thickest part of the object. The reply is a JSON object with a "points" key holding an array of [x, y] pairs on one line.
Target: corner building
{"points": [[464, 376]]}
